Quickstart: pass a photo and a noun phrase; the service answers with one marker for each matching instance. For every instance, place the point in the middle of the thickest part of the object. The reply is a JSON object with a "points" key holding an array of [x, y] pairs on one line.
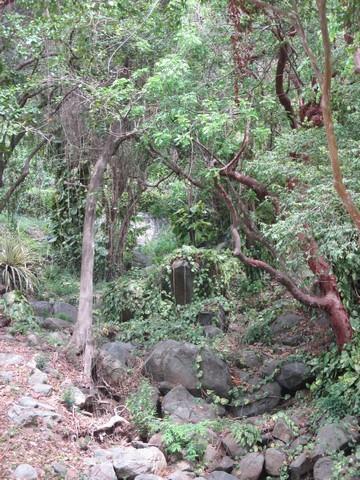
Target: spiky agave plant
{"points": [[17, 265]]}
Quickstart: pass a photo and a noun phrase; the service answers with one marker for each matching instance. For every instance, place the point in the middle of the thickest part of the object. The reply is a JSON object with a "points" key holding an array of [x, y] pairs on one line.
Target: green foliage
{"points": [[68, 215], [145, 304], [141, 407], [41, 361], [68, 398], [36, 202], [189, 440], [160, 247], [18, 265], [246, 435], [16, 307], [345, 466], [56, 283], [337, 384], [193, 225]]}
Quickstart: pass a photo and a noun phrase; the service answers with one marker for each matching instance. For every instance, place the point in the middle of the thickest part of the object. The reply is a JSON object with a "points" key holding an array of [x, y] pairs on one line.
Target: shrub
{"points": [[142, 409], [143, 301], [17, 265], [16, 307], [337, 385]]}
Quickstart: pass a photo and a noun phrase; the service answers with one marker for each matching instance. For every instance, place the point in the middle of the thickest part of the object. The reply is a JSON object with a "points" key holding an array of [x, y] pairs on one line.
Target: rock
{"points": [[27, 411], [131, 462], [336, 436], [42, 389], [59, 338], [270, 366], [293, 376], [211, 456], [285, 322], [25, 472], [181, 475], [182, 281], [184, 466], [263, 400], [59, 469], [68, 311], [222, 463], [323, 469], [38, 377], [274, 461], [219, 475], [301, 465], [282, 431], [103, 471], [113, 360], [54, 324], [7, 359], [4, 321], [42, 308], [148, 476], [211, 331], [156, 440], [249, 359], [75, 395], [6, 377], [33, 340], [140, 260], [232, 447], [184, 408], [174, 363], [251, 466]]}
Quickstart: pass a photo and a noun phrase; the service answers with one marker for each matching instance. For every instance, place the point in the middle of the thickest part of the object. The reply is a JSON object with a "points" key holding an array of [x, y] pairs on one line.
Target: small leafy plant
{"points": [[17, 265], [142, 409]]}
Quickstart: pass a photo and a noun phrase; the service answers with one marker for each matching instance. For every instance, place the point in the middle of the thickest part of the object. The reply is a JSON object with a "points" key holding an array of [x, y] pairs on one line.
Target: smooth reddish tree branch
{"points": [[330, 300]]}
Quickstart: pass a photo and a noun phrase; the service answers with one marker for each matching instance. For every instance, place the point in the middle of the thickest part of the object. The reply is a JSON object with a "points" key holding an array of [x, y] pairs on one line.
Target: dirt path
{"points": [[45, 443]]}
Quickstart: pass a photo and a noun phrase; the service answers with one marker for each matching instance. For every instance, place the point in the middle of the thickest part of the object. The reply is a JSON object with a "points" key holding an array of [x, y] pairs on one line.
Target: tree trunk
{"points": [[81, 340], [339, 185]]}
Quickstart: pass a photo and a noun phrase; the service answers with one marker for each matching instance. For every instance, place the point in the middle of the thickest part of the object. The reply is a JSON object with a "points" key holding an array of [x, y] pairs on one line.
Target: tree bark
{"points": [[341, 189], [82, 340], [279, 85]]}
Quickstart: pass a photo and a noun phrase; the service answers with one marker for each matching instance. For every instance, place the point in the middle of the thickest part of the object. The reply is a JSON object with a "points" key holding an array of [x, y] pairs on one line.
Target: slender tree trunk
{"points": [[341, 189], [82, 340]]}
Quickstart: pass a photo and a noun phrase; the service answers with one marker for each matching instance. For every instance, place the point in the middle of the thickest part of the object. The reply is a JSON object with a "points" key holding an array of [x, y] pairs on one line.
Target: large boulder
{"points": [[265, 399], [173, 363], [336, 436], [293, 376], [285, 322], [42, 308], [251, 466], [130, 462], [103, 471], [220, 475], [274, 461], [323, 469], [113, 359], [184, 408], [54, 324], [66, 310]]}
